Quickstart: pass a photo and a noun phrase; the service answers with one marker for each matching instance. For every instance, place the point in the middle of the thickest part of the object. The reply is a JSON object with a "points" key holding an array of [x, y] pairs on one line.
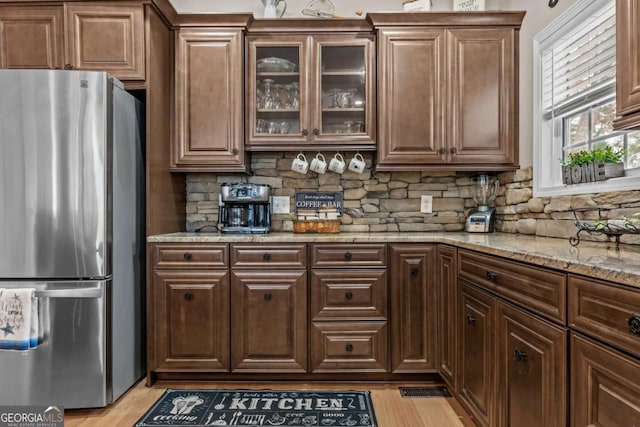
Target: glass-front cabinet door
{"points": [[310, 92]]}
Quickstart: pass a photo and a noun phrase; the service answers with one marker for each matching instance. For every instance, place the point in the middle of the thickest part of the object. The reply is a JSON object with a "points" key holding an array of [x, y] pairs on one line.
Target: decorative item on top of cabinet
{"points": [[627, 65], [447, 281], [348, 308], [462, 112], [208, 132], [31, 37], [310, 89], [413, 307], [268, 308], [106, 37], [188, 318]]}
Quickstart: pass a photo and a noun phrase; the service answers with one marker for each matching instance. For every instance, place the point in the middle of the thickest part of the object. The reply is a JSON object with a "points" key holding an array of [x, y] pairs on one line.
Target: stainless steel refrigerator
{"points": [[72, 228]]}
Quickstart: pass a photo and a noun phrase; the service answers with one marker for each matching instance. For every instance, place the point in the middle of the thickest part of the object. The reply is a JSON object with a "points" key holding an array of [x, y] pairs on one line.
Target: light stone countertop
{"points": [[598, 260]]}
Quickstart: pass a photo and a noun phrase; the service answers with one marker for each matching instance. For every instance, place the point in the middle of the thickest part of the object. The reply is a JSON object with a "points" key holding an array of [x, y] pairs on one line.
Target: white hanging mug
{"points": [[337, 164], [357, 164], [300, 164], [319, 164]]}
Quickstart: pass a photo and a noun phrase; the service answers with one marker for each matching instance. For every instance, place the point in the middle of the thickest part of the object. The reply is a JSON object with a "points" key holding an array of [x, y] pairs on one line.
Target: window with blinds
{"points": [[581, 65]]}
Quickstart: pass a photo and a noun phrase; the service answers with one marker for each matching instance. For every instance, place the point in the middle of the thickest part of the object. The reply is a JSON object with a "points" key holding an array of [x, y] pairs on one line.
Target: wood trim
{"points": [[241, 20], [447, 19], [308, 25]]}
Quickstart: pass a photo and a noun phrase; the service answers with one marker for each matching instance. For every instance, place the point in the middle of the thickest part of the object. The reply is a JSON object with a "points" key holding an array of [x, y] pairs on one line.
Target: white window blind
{"points": [[582, 64]]}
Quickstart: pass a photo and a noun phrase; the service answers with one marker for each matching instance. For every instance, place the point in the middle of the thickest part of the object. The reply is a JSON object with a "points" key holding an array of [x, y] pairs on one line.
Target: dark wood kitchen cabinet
{"points": [[208, 100], [268, 308], [531, 365], [476, 363], [447, 283], [413, 293], [75, 35], [627, 65], [311, 88], [348, 316], [448, 90], [189, 311]]}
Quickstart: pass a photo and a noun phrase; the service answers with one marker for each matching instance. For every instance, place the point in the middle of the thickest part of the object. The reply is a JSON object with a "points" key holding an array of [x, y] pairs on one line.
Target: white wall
{"points": [[538, 16]]}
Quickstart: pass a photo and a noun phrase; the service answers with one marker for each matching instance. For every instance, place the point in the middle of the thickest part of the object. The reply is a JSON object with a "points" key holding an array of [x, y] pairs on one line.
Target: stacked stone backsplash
{"points": [[390, 201]]}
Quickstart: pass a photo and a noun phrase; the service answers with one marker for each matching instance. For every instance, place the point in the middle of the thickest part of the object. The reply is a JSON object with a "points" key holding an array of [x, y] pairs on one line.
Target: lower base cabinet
{"points": [[605, 385], [532, 370]]}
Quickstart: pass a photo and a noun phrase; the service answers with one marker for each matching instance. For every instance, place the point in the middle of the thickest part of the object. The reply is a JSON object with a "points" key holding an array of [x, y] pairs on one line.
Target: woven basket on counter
{"points": [[316, 226]]}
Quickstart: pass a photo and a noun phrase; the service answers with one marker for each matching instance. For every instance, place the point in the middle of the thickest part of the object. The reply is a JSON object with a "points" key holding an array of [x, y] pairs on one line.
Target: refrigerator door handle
{"points": [[70, 293]]}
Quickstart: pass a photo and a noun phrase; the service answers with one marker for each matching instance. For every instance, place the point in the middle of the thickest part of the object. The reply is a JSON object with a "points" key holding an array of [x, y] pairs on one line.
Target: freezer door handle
{"points": [[70, 293]]}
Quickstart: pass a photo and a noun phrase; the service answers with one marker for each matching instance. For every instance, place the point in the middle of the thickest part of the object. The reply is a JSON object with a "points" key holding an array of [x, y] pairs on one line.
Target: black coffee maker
{"points": [[244, 208]]}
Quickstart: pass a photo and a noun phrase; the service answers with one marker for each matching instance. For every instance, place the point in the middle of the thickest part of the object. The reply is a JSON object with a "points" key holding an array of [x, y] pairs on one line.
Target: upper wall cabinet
{"points": [[447, 90], [208, 107], [308, 89], [627, 65], [80, 35]]}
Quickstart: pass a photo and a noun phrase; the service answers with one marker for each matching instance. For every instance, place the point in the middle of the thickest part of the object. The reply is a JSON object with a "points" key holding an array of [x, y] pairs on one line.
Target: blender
{"points": [[482, 219]]}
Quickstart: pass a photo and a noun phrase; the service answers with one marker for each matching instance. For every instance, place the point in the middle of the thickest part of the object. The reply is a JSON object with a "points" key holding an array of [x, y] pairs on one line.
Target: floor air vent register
{"points": [[431, 391]]}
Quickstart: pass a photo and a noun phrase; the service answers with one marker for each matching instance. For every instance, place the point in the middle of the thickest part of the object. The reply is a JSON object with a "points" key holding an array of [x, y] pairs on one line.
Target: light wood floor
{"points": [[391, 409]]}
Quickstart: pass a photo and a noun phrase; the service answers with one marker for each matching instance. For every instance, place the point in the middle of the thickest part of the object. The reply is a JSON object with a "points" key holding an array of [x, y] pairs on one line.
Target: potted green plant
{"points": [[593, 165]]}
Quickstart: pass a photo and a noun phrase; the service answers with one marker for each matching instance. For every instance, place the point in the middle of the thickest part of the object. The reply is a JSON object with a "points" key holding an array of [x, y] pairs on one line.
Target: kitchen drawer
{"points": [[268, 256], [606, 311], [348, 255], [348, 294], [605, 386], [348, 347], [537, 289], [191, 256]]}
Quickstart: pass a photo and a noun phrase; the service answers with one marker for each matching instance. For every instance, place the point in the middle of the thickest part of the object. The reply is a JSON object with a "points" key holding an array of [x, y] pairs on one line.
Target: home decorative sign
{"points": [[592, 171], [468, 5]]}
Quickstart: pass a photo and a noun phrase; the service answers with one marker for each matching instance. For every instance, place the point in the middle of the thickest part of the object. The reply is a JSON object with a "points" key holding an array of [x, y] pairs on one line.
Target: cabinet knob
{"points": [[442, 151], [348, 256], [415, 271], [454, 150], [68, 67], [471, 320], [315, 131], [349, 348], [634, 324], [491, 275], [188, 296], [187, 256], [235, 151], [519, 355], [267, 297], [266, 256], [348, 295], [305, 132]]}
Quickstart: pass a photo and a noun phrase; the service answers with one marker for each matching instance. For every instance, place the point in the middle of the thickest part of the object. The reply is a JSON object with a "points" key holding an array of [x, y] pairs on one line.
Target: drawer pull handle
{"points": [[349, 348], [519, 355], [348, 256], [491, 275], [188, 296], [634, 324], [348, 295], [267, 297], [187, 256], [266, 256], [415, 271], [471, 320]]}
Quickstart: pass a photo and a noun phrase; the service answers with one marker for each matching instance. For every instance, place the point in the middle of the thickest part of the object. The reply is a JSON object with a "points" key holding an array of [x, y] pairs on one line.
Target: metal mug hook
{"points": [[553, 3]]}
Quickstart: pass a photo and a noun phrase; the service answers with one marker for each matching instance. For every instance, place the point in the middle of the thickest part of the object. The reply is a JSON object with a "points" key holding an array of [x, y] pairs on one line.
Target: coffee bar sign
{"points": [[317, 200]]}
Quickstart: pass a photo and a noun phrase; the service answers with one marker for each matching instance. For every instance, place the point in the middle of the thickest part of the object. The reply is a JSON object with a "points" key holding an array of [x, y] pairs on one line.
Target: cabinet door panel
{"points": [[628, 56], [475, 352], [208, 103], [31, 37], [605, 386], [447, 319], [532, 374], [483, 75], [268, 320], [191, 320], [411, 96], [413, 307], [104, 37]]}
